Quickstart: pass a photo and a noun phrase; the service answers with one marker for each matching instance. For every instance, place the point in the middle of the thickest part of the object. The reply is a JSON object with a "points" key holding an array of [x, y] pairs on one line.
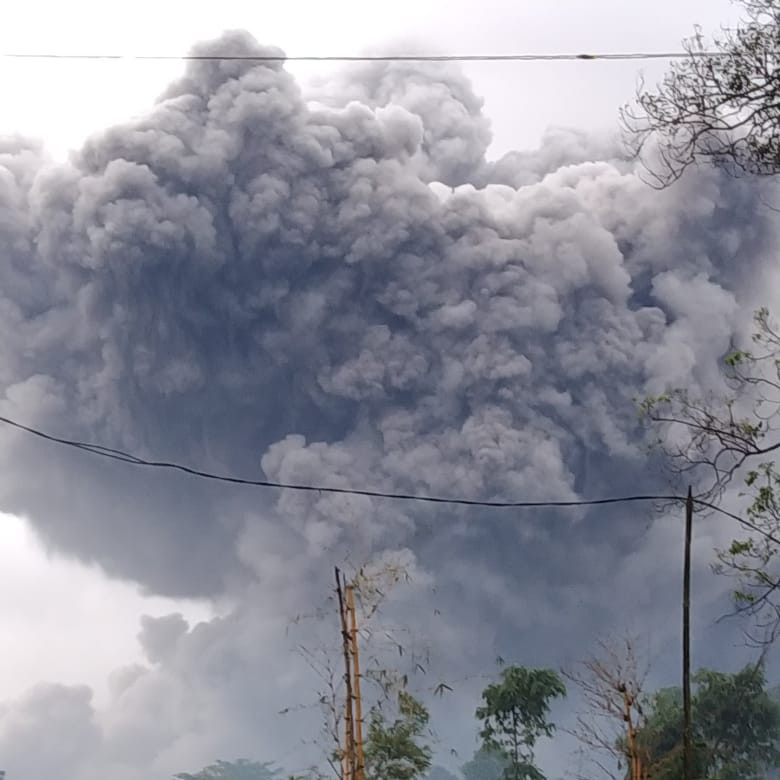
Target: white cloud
{"points": [[64, 621]]}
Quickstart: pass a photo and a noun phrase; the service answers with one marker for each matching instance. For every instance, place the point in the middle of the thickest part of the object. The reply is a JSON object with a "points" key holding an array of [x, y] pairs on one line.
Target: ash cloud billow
{"points": [[338, 287]]}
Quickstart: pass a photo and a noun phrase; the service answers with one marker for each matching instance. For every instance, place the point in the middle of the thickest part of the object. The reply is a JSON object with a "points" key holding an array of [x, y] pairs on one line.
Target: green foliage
{"points": [[738, 721], [515, 713], [736, 728], [736, 357], [233, 770], [652, 402], [395, 751], [660, 740]]}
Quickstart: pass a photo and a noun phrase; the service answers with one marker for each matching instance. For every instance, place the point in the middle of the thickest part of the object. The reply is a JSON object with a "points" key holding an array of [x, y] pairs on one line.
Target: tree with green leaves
{"points": [[720, 104], [514, 713], [233, 770], [736, 728], [397, 750]]}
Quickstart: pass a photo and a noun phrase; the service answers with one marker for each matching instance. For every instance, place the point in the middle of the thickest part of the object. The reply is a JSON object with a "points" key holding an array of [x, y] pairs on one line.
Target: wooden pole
{"points": [[686, 639], [348, 764], [360, 773]]}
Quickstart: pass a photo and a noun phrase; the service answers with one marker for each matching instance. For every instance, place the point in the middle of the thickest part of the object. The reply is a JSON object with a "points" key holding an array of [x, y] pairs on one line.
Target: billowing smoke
{"points": [[339, 288]]}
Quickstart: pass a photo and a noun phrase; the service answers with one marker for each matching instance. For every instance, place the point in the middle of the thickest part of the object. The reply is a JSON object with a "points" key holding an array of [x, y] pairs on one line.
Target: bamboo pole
{"points": [[348, 764], [360, 773]]}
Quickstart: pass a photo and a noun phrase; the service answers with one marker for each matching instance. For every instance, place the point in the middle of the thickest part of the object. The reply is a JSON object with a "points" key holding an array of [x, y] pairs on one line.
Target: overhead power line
{"points": [[125, 457], [527, 57]]}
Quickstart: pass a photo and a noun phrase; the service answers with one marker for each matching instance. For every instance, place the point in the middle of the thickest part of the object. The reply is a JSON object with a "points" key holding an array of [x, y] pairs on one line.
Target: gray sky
{"points": [[522, 100], [245, 281]]}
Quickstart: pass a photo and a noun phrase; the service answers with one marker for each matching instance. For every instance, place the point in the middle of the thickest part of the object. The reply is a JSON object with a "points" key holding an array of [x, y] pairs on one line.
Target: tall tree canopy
{"points": [[736, 727], [515, 713]]}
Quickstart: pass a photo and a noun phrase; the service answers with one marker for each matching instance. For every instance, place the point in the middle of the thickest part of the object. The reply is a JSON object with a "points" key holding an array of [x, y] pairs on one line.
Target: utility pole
{"points": [[360, 769], [348, 763], [686, 639]]}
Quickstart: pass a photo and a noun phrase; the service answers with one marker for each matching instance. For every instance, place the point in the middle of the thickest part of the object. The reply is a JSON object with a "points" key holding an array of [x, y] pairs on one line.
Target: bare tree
{"points": [[719, 105], [610, 684], [713, 441]]}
